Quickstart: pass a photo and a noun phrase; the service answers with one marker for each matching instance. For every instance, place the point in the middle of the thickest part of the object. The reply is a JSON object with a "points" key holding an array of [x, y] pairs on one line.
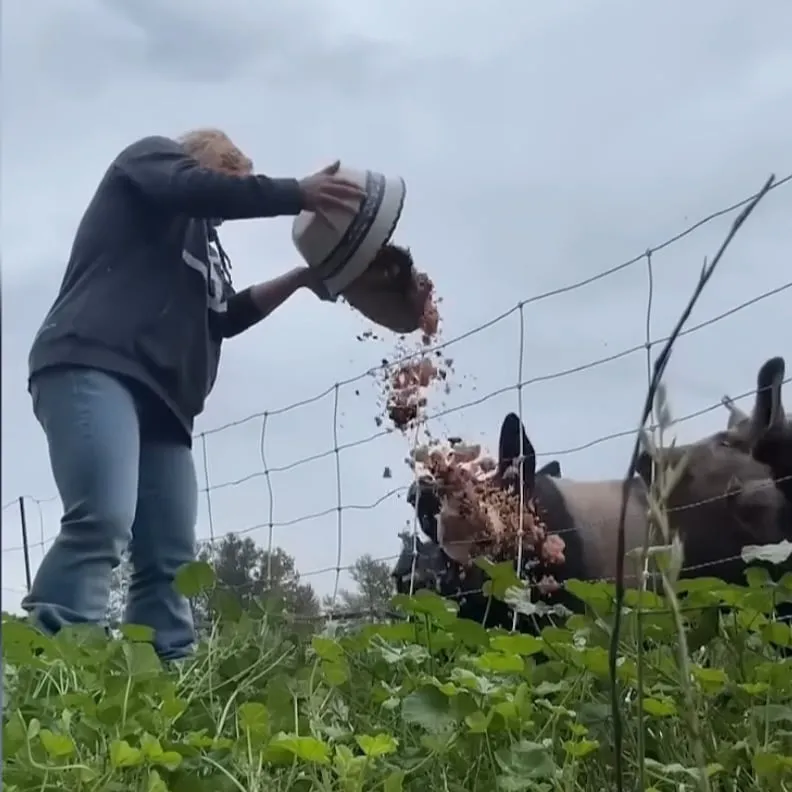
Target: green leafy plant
{"points": [[430, 702]]}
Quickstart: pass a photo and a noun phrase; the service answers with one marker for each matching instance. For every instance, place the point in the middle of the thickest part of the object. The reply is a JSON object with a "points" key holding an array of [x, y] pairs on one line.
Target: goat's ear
{"points": [[429, 526], [514, 441], [774, 449], [423, 496], [768, 409], [551, 469]]}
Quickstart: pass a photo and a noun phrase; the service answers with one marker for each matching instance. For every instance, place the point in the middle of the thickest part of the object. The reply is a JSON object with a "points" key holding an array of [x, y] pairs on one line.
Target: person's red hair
{"points": [[215, 150]]}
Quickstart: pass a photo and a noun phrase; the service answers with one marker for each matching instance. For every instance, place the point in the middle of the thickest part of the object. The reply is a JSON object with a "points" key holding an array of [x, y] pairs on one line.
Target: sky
{"points": [[540, 144]]}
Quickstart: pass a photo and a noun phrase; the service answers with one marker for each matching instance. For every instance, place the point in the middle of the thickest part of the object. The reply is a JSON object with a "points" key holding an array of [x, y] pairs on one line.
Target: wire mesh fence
{"points": [[328, 525]]}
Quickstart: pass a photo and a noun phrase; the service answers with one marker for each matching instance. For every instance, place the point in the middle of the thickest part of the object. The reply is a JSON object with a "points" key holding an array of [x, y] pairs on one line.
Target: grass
{"points": [[430, 703]]}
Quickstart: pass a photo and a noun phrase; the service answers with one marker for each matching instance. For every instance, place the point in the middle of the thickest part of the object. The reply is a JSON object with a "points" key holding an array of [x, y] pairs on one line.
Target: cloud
{"points": [[540, 145]]}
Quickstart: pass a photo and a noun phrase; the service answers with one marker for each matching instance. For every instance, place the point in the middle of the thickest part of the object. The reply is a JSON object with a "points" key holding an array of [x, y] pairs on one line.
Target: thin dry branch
{"points": [[657, 375]]}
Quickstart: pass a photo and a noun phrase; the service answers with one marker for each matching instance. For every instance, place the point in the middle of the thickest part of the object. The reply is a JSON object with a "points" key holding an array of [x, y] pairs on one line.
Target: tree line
{"points": [[252, 573]]}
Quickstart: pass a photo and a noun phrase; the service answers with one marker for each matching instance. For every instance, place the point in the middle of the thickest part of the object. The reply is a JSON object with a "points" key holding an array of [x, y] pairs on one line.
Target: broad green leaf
{"points": [[308, 749], [19, 640], [518, 644], [598, 596], [771, 764], [526, 761], [403, 631], [141, 660], [194, 578], [500, 663], [470, 633], [155, 782], [254, 717], [170, 760], [466, 678], [427, 708], [712, 680], [544, 689], [502, 577], [659, 708], [137, 632], [227, 605], [377, 745], [336, 674], [394, 782], [773, 713], [34, 727], [758, 577], [477, 722], [58, 746], [785, 582], [446, 688], [779, 633], [427, 603], [14, 733], [327, 648], [581, 748], [705, 629], [754, 688], [677, 769], [122, 754], [150, 746], [172, 708], [344, 757], [506, 709], [646, 600]]}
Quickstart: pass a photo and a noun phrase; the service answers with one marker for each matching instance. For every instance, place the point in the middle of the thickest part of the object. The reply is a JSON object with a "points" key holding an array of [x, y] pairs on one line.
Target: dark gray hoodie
{"points": [[145, 295]]}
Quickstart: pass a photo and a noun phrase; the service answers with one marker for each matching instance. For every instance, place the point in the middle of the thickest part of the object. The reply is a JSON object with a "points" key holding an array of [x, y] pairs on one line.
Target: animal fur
{"points": [[723, 501], [722, 492]]}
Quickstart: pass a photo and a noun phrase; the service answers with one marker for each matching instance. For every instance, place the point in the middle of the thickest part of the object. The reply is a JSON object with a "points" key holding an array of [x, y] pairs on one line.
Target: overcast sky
{"points": [[540, 143]]}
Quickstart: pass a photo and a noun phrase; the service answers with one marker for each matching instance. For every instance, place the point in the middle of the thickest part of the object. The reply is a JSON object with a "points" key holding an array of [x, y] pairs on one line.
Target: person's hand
{"points": [[325, 192], [311, 280]]}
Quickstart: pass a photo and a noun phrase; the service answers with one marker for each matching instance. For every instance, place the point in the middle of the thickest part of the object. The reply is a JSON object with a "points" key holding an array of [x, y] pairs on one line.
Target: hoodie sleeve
{"points": [[241, 313], [162, 171]]}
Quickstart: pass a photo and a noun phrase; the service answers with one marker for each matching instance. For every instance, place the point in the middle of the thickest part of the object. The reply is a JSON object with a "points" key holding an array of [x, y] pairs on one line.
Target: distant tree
{"points": [[244, 568], [253, 573], [373, 588]]}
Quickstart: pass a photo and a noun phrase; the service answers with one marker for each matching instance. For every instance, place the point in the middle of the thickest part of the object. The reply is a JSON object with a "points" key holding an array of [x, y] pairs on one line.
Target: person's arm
{"points": [[255, 303], [162, 171]]}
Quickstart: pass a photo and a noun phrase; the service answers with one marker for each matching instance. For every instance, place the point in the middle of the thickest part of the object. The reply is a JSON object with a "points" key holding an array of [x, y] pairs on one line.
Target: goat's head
{"points": [[722, 499], [433, 510]]}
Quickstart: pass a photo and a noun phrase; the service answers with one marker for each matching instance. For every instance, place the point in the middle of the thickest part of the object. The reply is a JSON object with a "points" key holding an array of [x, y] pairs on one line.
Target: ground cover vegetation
{"points": [[424, 702]]}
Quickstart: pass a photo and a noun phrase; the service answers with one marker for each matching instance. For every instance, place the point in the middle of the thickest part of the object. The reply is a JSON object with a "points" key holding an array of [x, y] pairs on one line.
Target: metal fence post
{"points": [[25, 545]]}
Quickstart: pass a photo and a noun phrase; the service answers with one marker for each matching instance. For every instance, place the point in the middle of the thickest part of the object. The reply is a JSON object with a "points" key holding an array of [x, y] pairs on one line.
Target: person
{"points": [[126, 357]]}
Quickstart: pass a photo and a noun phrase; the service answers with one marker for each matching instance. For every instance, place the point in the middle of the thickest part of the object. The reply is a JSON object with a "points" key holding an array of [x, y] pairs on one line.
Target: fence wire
{"points": [[336, 451]]}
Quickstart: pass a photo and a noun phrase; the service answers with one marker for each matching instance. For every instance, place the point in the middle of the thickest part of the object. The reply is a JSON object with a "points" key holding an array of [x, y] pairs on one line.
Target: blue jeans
{"points": [[121, 489]]}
